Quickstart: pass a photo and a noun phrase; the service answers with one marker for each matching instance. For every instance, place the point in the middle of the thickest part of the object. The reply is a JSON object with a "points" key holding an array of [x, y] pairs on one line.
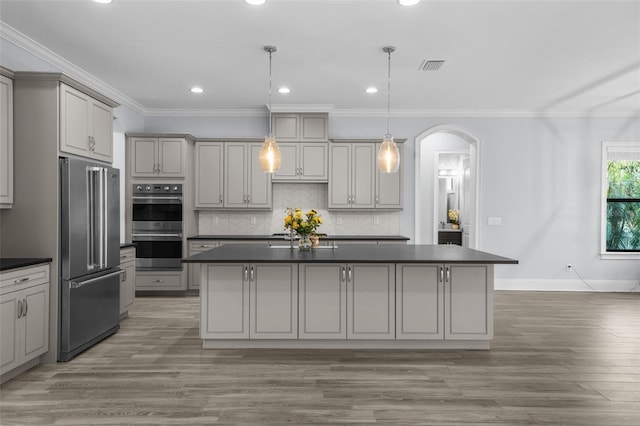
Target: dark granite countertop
{"points": [[125, 245], [281, 238], [8, 263], [351, 253]]}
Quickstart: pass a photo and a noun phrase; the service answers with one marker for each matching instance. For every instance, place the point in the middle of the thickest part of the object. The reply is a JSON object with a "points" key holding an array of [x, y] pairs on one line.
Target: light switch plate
{"points": [[494, 221]]}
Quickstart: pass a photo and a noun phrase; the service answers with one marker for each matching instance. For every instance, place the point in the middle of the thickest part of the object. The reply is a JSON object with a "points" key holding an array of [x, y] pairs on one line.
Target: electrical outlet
{"points": [[376, 220], [339, 220], [253, 220], [569, 268], [494, 221]]}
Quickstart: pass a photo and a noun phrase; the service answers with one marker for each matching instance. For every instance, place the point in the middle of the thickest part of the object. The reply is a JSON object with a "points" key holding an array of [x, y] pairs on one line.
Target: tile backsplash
{"points": [[305, 196]]}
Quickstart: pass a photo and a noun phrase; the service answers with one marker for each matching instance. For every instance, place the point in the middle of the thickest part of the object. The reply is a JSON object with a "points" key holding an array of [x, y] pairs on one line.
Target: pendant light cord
{"points": [[270, 49], [389, 92]]}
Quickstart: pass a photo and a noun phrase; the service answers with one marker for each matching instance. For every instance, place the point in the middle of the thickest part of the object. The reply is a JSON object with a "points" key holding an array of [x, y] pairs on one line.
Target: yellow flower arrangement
{"points": [[303, 224], [454, 216]]}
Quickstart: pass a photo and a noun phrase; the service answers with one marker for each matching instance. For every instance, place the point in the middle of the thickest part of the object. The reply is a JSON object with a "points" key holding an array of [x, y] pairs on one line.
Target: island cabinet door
{"points": [[224, 301], [468, 298], [323, 301], [419, 302], [274, 301], [370, 301]]}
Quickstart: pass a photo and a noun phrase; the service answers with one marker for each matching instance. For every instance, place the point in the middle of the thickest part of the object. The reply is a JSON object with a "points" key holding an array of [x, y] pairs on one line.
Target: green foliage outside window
{"points": [[623, 205]]}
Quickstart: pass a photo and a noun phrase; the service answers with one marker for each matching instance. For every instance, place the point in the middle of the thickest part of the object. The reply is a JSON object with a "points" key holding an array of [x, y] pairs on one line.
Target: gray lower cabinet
{"points": [[24, 317], [323, 301], [444, 302], [127, 279], [370, 301], [242, 301]]}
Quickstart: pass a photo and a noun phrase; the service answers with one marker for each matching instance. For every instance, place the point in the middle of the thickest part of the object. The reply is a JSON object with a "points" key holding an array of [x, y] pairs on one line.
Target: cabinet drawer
{"points": [[201, 245], [127, 255], [18, 279], [164, 281]]}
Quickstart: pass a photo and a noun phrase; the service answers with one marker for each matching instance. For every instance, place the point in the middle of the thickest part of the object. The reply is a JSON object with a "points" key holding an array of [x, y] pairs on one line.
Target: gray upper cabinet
{"points": [[246, 186], [303, 162], [300, 127], [352, 176], [356, 183], [6, 142], [86, 125], [209, 175], [158, 157], [303, 143]]}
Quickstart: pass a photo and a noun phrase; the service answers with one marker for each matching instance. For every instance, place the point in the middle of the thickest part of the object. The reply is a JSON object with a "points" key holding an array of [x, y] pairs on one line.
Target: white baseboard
{"points": [[567, 285]]}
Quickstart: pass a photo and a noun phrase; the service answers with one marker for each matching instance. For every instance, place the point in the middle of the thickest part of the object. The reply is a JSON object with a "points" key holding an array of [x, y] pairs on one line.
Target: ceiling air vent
{"points": [[431, 65]]}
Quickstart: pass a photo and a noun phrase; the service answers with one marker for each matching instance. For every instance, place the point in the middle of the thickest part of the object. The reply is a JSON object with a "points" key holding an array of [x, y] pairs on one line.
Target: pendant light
{"points": [[270, 156], [388, 155]]}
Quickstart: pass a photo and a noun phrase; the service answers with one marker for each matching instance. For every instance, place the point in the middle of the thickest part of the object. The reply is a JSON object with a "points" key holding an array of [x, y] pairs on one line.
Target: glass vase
{"points": [[305, 242]]}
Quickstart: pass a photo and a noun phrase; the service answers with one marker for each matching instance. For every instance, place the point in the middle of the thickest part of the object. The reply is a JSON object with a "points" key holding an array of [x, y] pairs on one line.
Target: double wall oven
{"points": [[157, 226]]}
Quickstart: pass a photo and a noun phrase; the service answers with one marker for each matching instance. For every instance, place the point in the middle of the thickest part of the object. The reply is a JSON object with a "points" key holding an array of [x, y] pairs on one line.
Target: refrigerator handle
{"points": [[104, 249], [91, 232], [95, 217]]}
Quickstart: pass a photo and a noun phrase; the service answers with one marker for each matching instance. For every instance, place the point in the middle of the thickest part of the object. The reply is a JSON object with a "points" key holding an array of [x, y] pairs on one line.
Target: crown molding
{"points": [[31, 46], [25, 43]]}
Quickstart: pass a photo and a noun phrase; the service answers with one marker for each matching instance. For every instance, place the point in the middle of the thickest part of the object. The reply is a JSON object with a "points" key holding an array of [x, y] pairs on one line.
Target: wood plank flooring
{"points": [[557, 359]]}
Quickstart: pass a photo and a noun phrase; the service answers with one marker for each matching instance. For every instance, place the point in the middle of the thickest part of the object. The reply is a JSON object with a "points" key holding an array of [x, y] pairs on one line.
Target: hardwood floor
{"points": [[557, 358]]}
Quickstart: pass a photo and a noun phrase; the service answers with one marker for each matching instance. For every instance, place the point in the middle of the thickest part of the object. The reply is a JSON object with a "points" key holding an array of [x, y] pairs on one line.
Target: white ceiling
{"points": [[542, 56]]}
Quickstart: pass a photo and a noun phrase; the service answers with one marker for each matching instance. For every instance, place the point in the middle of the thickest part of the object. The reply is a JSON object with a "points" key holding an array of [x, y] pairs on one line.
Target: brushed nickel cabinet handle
{"points": [[21, 280], [19, 309]]}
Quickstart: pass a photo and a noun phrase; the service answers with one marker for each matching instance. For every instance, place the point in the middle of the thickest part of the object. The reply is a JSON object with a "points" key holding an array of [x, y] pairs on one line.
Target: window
{"points": [[621, 200]]}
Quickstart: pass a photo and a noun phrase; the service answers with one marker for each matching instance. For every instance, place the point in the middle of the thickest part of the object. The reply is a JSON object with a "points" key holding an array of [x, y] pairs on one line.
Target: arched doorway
{"points": [[430, 145]]}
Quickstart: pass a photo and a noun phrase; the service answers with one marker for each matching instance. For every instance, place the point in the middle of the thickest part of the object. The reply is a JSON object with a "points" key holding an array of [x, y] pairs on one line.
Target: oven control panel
{"points": [[157, 188]]}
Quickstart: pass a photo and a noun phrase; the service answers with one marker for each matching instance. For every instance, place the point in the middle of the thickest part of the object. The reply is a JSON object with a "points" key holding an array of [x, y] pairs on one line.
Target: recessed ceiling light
{"points": [[255, 2], [371, 90], [284, 90], [408, 2], [197, 90], [103, 1]]}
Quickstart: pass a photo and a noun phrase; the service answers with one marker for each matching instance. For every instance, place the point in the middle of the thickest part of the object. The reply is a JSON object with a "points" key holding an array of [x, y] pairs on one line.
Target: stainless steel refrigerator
{"points": [[90, 255]]}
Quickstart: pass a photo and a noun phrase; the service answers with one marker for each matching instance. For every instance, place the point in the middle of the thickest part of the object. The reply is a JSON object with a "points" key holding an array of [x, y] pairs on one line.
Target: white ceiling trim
{"points": [[31, 46]]}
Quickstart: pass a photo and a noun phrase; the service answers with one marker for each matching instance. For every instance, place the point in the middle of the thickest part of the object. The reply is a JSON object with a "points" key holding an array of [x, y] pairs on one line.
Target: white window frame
{"points": [[606, 148]]}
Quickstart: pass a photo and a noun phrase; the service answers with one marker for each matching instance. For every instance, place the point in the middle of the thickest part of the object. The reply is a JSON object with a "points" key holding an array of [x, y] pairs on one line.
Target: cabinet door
{"points": [[314, 162], [6, 141], [313, 128], [74, 121], [144, 157], [209, 174], [340, 176], [127, 286], [389, 187], [258, 182], [285, 127], [370, 306], [9, 344], [224, 301], [36, 321], [323, 302], [289, 166], [419, 302], [102, 131], [363, 163], [468, 298], [171, 157], [234, 175], [273, 296]]}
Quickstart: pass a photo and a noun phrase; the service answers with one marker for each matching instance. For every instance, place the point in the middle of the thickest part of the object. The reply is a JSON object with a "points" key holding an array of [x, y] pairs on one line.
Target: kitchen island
{"points": [[351, 296]]}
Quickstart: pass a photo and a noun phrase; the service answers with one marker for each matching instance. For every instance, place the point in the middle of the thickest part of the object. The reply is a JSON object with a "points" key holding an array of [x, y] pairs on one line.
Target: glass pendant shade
{"points": [[270, 156], [388, 156]]}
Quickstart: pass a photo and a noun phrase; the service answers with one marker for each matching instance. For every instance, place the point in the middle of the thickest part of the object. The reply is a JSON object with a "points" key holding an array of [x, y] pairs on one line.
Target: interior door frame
{"points": [[475, 151]]}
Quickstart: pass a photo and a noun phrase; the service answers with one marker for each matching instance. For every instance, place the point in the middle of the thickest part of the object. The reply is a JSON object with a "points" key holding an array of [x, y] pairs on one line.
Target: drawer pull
{"points": [[157, 281], [21, 280]]}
